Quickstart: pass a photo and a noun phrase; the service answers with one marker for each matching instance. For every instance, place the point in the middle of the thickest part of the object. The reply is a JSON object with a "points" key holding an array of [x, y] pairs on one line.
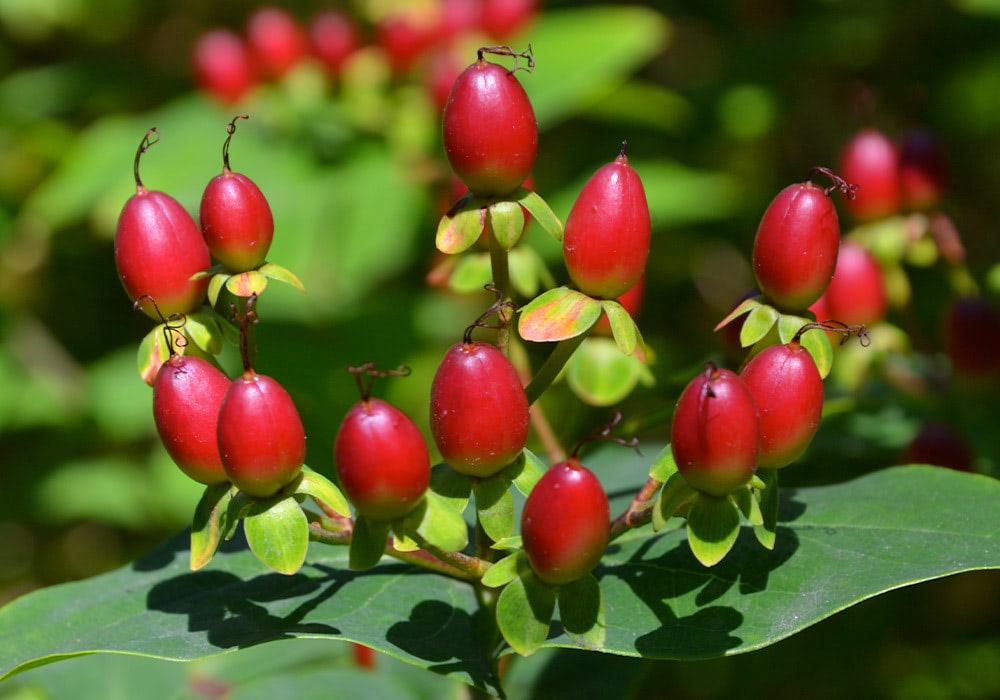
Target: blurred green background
{"points": [[722, 104]]}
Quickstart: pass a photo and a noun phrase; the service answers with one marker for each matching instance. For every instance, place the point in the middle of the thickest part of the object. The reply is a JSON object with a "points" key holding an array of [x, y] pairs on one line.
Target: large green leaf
{"points": [[836, 546]]}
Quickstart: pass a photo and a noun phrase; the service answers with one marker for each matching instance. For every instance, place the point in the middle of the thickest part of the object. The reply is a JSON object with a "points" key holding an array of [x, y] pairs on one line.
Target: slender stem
{"points": [[639, 511], [472, 567], [550, 369], [499, 266]]}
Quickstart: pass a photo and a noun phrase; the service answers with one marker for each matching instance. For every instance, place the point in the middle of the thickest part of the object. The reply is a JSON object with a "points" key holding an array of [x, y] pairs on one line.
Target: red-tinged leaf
{"points": [[558, 314], [459, 230], [154, 351], [247, 284]]}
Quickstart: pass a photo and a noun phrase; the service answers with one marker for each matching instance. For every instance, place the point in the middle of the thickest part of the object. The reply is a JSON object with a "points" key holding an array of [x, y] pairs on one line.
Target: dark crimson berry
{"points": [[606, 241], [857, 293], [923, 168], [972, 336], [158, 248], [223, 66], [479, 411], [715, 434], [187, 395], [795, 250], [788, 392], [502, 19], [276, 40], [382, 460], [940, 445], [565, 523], [261, 438], [490, 132], [236, 219], [871, 160], [335, 37]]}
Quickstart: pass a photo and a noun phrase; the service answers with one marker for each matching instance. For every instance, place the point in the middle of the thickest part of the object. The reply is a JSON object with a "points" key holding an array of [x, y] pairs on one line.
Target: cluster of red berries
{"points": [[228, 64]]}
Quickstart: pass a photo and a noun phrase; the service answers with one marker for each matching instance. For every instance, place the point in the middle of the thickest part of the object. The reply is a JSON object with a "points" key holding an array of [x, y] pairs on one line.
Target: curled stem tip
{"points": [[230, 130], [527, 54], [173, 325], [604, 433], [839, 184], [151, 136], [833, 326], [371, 371]]}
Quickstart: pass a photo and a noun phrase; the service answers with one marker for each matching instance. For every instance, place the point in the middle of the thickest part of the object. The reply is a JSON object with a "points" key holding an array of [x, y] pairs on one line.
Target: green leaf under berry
{"points": [[460, 228], [712, 526], [558, 314], [505, 221], [323, 490], [494, 505], [541, 212], [368, 541], [209, 525], [581, 612], [278, 534], [524, 611]]}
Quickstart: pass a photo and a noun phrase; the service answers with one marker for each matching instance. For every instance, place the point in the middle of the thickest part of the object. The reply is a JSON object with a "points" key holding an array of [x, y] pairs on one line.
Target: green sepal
{"points": [[525, 471], [513, 542], [494, 505], [558, 314], [215, 287], [758, 323], [202, 328], [502, 572], [273, 271], [524, 611], [712, 527], [505, 221], [581, 612], [817, 342], [154, 350], [664, 466], [239, 506], [541, 212], [278, 533], [741, 309], [623, 327], [247, 284], [324, 491], [368, 541], [748, 505], [601, 375], [454, 488], [673, 494], [435, 521], [461, 227], [767, 498], [209, 524]]}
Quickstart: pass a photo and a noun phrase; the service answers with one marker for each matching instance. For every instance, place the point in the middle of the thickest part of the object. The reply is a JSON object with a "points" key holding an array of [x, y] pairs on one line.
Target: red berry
{"points": [[972, 336], [606, 241], [788, 392], [795, 250], [565, 523], [261, 438], [382, 461], [335, 37], [857, 292], [406, 33], [236, 219], [501, 19], [223, 66], [277, 41], [187, 395], [715, 434], [923, 169], [158, 248], [479, 411], [871, 160], [490, 132], [940, 445]]}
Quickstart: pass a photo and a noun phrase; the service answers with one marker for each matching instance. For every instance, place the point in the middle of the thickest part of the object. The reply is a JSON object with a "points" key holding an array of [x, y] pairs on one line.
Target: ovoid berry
{"points": [[972, 336], [489, 129], [261, 438], [236, 218], [276, 40], [158, 248], [938, 444], [870, 159], [606, 241], [923, 168], [715, 434], [187, 396], [788, 392], [335, 37], [479, 411], [795, 249], [223, 66], [565, 523], [857, 292], [382, 460]]}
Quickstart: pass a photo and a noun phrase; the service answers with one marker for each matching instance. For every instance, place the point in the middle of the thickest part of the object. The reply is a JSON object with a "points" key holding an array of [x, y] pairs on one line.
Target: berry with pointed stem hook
{"points": [[159, 248], [382, 461]]}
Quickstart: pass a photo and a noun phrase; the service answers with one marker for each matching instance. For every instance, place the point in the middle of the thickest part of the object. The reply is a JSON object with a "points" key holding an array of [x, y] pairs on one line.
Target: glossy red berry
{"points": [[223, 66], [565, 523], [187, 395], [857, 293], [382, 461], [276, 40], [715, 434], [923, 168], [788, 392], [870, 160], [489, 128], [972, 336], [479, 411], [606, 241], [236, 219], [158, 248], [261, 438], [334, 36], [795, 250]]}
